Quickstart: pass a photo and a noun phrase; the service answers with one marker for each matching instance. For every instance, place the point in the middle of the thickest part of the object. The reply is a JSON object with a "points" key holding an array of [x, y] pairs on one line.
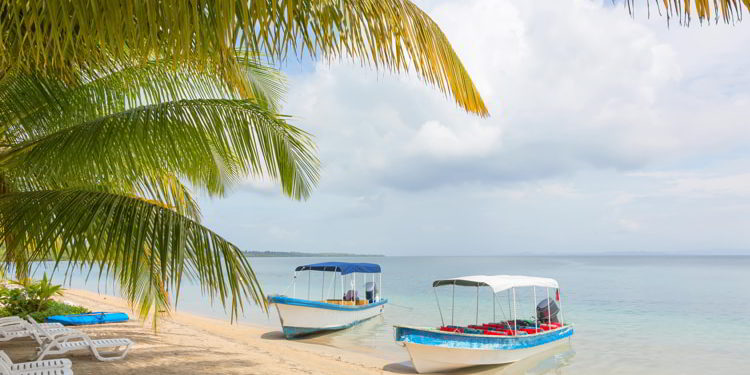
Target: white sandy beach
{"points": [[189, 344]]}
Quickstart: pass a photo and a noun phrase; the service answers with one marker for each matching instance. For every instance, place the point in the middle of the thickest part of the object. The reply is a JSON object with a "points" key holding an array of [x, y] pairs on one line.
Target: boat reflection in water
{"points": [[549, 361]]}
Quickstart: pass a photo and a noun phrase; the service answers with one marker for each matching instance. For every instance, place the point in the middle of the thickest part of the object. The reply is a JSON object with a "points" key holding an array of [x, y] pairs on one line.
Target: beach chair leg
{"points": [[112, 355], [43, 352]]}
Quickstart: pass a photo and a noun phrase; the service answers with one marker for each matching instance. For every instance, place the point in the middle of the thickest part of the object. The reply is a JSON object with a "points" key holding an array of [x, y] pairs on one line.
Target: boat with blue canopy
{"points": [[497, 341], [341, 305]]}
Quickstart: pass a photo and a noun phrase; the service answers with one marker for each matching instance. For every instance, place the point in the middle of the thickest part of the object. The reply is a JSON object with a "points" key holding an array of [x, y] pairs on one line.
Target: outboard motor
{"points": [[546, 311], [371, 292]]}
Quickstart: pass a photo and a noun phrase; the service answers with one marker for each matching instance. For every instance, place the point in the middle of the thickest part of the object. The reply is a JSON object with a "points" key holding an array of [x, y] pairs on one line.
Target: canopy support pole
{"points": [[323, 286], [354, 297], [453, 301], [477, 318], [562, 315], [342, 287], [442, 322], [515, 315], [309, 276], [510, 307], [533, 306], [549, 316], [494, 316], [380, 285]]}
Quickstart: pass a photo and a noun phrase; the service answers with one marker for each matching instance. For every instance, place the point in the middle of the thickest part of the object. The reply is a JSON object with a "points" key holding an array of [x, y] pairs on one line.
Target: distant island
{"points": [[301, 254]]}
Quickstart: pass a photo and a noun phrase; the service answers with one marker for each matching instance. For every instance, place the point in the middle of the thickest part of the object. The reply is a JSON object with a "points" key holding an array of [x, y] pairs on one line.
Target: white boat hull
{"points": [[430, 358], [432, 350], [300, 317]]}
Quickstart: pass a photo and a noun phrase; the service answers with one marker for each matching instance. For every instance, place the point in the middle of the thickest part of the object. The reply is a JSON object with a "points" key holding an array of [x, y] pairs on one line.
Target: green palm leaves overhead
{"points": [[70, 37], [93, 172], [113, 111]]}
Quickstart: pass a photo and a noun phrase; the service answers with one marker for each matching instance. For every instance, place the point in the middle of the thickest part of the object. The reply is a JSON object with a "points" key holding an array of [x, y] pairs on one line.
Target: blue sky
{"points": [[607, 134]]}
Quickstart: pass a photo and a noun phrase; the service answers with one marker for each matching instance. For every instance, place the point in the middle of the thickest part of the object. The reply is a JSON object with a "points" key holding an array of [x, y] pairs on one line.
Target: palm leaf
{"points": [[74, 37], [728, 11], [163, 188], [33, 105], [138, 243], [212, 143]]}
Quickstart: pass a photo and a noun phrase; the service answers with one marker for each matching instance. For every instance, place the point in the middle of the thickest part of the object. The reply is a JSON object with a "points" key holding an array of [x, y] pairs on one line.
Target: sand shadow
{"points": [[407, 368], [308, 338], [273, 335], [209, 366], [400, 368]]}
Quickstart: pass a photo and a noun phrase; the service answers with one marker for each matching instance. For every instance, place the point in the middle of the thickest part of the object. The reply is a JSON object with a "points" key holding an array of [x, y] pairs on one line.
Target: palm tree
{"points": [[93, 172], [109, 108]]}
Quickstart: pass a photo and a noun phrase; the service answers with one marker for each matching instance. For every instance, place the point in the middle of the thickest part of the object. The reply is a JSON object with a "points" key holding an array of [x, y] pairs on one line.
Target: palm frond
{"points": [[140, 244], [162, 188], [728, 11], [212, 143], [69, 38], [33, 105]]}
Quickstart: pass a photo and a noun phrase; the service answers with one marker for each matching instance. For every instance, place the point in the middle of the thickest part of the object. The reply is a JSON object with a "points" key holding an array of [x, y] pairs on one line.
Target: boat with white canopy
{"points": [[499, 341], [337, 308]]}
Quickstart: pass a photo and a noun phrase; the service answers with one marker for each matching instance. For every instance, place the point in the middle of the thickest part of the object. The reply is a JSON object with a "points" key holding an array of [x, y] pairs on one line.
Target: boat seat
{"points": [[531, 330], [338, 302], [495, 333], [451, 329]]}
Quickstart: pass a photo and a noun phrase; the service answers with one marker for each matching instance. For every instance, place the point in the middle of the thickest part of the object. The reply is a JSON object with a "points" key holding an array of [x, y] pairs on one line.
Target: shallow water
{"points": [[646, 315]]}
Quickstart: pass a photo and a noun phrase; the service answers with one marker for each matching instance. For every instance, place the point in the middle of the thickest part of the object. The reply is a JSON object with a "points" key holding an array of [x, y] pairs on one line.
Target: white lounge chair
{"points": [[37, 367], [9, 321], [15, 327], [6, 370], [52, 343]]}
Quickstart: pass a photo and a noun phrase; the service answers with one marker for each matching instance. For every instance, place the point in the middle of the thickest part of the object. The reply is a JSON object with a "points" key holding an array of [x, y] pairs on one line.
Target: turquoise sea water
{"points": [[644, 315]]}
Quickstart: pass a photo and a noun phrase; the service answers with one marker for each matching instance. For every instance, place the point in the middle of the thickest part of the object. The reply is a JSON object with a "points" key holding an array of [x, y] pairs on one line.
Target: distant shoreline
{"points": [[296, 254]]}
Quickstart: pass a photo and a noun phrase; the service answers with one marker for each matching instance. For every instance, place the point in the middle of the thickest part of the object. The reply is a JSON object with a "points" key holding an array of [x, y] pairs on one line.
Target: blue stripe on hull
{"points": [[443, 339], [294, 332], [322, 305]]}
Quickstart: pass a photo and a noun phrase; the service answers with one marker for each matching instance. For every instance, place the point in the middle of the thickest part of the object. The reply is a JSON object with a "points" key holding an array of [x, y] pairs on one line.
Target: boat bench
{"points": [[493, 332]]}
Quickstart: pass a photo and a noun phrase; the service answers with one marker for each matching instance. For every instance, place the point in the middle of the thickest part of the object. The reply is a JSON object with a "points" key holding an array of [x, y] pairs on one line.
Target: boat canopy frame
{"points": [[343, 269], [500, 283]]}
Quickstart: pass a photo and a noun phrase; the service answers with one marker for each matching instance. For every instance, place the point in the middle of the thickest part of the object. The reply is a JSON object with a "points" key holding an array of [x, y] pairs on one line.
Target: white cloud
{"points": [[606, 133], [737, 185], [464, 141], [629, 225]]}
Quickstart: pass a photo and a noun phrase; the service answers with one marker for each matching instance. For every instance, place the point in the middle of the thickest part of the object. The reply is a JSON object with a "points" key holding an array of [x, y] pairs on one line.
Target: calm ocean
{"points": [[633, 315]]}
